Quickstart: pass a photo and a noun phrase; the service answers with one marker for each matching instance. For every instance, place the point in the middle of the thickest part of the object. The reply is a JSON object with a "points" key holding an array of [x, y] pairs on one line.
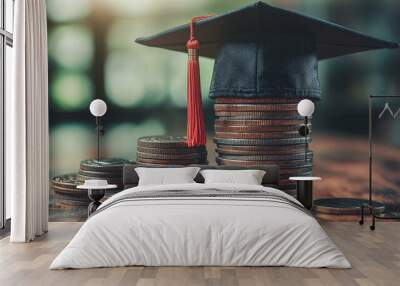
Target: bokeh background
{"points": [[92, 54]]}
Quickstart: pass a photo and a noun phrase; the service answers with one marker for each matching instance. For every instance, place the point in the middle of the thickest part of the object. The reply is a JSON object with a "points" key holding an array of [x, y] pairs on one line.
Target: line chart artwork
{"points": [[387, 109]]}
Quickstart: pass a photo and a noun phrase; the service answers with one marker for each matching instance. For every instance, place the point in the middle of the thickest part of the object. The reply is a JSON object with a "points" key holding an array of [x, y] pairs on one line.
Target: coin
{"points": [[171, 162], [251, 132], [142, 164], [104, 165], [69, 191], [65, 190], [235, 100], [68, 181], [171, 151], [289, 141], [247, 150], [171, 157], [257, 129], [254, 107], [256, 135], [163, 141], [114, 175], [255, 122], [244, 163], [269, 157], [226, 115], [69, 199]]}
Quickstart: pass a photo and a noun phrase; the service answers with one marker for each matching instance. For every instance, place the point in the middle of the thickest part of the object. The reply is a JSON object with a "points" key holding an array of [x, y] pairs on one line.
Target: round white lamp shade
{"points": [[98, 107], [305, 108]]}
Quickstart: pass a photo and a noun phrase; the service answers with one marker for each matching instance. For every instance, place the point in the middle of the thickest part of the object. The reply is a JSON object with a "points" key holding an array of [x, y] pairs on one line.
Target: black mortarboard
{"points": [[265, 51]]}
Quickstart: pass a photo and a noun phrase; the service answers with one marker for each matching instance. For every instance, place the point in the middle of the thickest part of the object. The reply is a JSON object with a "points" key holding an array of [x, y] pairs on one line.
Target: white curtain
{"points": [[27, 147]]}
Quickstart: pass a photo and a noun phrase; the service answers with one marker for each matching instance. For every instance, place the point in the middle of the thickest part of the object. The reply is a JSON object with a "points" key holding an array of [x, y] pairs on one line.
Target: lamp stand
{"points": [[99, 132], [354, 206], [305, 131], [371, 205]]}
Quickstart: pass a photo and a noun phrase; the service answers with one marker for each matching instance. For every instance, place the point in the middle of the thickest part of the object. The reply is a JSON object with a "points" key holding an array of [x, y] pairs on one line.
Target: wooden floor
{"points": [[375, 257]]}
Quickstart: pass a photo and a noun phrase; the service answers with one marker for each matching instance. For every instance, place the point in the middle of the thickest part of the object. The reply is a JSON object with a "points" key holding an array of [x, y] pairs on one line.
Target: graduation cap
{"points": [[261, 51]]}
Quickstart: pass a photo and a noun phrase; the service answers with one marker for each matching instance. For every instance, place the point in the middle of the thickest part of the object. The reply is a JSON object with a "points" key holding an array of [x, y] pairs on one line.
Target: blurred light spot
{"points": [[177, 79], [123, 32], [71, 91], [69, 144], [67, 10], [130, 80], [72, 47], [121, 140], [145, 7]]}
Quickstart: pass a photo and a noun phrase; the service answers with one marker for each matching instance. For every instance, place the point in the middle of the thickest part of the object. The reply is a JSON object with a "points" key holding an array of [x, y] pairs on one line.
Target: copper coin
{"points": [[72, 199], [69, 191], [279, 142], [250, 148], [68, 181], [234, 100], [65, 190], [292, 157], [244, 163], [255, 122], [172, 151], [257, 129], [142, 164], [170, 162], [104, 165], [95, 174], [236, 150], [163, 141], [291, 115], [254, 107], [256, 135], [171, 157]]}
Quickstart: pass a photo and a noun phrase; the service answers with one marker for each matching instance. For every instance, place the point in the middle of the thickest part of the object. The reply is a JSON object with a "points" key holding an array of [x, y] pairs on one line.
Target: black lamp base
{"points": [[376, 215], [345, 206], [389, 215]]}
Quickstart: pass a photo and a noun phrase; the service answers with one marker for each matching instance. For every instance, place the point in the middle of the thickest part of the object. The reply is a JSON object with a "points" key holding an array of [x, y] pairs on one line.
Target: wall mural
{"points": [[92, 54], [386, 109]]}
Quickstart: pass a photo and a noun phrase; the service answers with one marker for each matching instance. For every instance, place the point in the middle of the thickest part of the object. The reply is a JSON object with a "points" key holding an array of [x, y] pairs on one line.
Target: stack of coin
{"points": [[168, 150], [105, 169], [67, 194], [258, 131]]}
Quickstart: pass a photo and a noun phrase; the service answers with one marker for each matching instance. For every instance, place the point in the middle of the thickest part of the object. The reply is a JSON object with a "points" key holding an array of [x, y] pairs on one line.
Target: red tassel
{"points": [[196, 133]]}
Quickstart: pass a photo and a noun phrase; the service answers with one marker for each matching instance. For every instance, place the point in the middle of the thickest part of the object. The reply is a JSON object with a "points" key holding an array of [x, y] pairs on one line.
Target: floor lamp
{"points": [[98, 108], [306, 109], [371, 205], [349, 206]]}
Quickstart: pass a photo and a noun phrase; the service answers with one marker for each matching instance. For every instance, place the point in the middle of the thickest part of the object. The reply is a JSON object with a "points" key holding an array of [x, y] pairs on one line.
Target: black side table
{"points": [[305, 190], [95, 194]]}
